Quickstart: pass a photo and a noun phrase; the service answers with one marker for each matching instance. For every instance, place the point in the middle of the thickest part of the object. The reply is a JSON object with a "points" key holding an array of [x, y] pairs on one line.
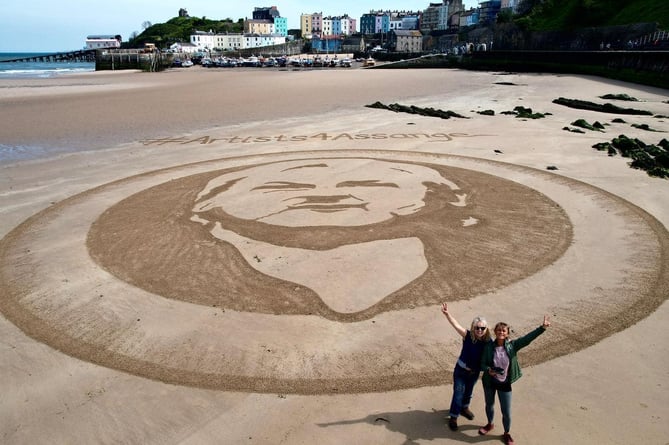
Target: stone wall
{"points": [[509, 36]]}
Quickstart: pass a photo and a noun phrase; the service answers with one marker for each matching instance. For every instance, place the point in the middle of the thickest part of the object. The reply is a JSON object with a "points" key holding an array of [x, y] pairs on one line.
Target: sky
{"points": [[53, 26]]}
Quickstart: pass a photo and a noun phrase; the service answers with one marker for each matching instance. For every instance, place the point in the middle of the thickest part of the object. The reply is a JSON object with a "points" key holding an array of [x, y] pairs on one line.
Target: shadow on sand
{"points": [[420, 426]]}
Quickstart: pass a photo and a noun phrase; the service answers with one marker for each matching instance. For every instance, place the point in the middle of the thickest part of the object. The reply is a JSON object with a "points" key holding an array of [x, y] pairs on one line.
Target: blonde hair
{"points": [[486, 334]]}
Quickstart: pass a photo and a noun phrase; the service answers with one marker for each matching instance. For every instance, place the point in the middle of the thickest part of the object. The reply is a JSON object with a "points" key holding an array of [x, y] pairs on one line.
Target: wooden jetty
{"points": [[82, 55]]}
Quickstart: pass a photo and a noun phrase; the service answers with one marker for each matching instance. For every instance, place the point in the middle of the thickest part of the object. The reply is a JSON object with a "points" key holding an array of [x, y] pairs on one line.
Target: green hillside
{"points": [[179, 29], [545, 15]]}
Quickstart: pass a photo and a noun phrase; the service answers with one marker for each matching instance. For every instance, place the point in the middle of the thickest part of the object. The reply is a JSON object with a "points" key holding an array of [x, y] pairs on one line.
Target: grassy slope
{"points": [[569, 14]]}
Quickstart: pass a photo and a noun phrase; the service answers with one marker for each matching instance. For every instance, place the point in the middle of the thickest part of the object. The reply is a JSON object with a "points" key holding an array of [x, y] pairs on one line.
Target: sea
{"points": [[17, 70], [27, 70]]}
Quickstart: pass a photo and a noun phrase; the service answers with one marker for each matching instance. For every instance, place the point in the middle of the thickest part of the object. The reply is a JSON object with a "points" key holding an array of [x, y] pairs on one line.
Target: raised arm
{"points": [[458, 328], [547, 322], [526, 339]]}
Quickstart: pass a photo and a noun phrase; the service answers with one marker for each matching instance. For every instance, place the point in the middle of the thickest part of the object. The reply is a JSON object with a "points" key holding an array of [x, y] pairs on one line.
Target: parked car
{"points": [[345, 63]]}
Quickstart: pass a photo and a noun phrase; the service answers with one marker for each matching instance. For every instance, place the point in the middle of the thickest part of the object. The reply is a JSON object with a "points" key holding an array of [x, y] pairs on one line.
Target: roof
{"points": [[100, 37], [408, 33]]}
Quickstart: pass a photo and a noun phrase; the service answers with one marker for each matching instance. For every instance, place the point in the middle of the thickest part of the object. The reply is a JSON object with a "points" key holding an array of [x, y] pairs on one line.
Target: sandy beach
{"points": [[254, 256]]}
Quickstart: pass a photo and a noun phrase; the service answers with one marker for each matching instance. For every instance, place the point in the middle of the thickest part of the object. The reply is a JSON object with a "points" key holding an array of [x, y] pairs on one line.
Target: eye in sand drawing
{"points": [[333, 192]]}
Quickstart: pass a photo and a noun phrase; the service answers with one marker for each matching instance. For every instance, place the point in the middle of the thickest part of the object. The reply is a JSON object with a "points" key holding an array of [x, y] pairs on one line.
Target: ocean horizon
{"points": [[30, 69]]}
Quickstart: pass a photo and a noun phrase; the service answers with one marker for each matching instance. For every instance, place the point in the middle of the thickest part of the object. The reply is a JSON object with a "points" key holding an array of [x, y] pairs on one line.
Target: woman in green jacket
{"points": [[500, 369]]}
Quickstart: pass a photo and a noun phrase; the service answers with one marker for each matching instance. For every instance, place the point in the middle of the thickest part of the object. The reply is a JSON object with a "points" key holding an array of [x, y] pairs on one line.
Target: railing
{"points": [[82, 55], [654, 40]]}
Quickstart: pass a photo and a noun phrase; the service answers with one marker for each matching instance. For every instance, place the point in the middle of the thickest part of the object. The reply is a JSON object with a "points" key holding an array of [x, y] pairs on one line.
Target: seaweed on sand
{"points": [[573, 130], [643, 127], [604, 108], [654, 159], [412, 109], [525, 113], [622, 96], [582, 123]]}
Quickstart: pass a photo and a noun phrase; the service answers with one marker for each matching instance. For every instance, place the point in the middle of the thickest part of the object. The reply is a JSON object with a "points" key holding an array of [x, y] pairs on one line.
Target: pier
{"points": [[83, 55]]}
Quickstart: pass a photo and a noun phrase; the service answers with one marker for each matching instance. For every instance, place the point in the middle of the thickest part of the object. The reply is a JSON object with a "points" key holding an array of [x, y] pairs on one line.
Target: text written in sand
{"points": [[205, 140]]}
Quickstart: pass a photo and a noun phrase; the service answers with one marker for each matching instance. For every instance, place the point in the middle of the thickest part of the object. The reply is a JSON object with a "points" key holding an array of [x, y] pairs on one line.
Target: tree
{"points": [[146, 24], [504, 16]]}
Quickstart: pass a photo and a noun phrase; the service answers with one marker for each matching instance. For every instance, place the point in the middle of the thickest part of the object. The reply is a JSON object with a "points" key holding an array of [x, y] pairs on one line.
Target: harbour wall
{"points": [[643, 67]]}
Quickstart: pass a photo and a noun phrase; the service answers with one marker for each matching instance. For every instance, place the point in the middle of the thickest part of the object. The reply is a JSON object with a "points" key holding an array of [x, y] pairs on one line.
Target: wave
{"points": [[46, 72], [14, 153]]}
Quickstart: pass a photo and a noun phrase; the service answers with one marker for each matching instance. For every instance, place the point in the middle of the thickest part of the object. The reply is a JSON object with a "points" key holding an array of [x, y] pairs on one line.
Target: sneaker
{"points": [[453, 424], [507, 439], [486, 429], [466, 412]]}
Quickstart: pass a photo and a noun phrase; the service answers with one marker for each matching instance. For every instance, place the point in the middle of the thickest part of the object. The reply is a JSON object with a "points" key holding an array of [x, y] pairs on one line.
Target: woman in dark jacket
{"points": [[500, 369], [467, 369]]}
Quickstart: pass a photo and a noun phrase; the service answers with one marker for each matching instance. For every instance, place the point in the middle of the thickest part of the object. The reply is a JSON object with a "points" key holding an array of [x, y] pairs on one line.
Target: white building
{"points": [[102, 41], [207, 41], [348, 25], [230, 42], [203, 40], [258, 41], [188, 48]]}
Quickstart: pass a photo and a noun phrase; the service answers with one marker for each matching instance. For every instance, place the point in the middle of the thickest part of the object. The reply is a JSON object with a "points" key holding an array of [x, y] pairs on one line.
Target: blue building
{"points": [[326, 44], [488, 11]]}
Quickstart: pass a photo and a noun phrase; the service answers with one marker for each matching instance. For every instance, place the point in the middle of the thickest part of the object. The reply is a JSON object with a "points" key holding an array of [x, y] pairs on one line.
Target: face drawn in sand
{"points": [[332, 192], [343, 238], [327, 192], [139, 280]]}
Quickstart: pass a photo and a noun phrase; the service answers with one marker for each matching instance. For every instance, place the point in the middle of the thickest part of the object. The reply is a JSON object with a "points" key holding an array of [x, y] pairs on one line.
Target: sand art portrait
{"points": [[330, 193], [229, 274], [391, 235]]}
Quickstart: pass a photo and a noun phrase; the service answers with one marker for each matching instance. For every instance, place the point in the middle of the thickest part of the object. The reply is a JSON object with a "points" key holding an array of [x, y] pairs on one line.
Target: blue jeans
{"points": [[463, 386], [504, 403]]}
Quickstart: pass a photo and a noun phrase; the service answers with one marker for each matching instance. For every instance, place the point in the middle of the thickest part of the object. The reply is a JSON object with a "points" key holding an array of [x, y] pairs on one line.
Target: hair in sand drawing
{"points": [[324, 192]]}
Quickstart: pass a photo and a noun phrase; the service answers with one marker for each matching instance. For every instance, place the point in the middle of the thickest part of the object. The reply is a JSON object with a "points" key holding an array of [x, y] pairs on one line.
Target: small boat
{"points": [[187, 63], [251, 61], [345, 63]]}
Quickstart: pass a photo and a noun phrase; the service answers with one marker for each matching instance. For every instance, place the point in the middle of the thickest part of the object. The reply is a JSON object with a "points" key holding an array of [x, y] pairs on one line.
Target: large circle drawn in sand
{"points": [[499, 232], [56, 292]]}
